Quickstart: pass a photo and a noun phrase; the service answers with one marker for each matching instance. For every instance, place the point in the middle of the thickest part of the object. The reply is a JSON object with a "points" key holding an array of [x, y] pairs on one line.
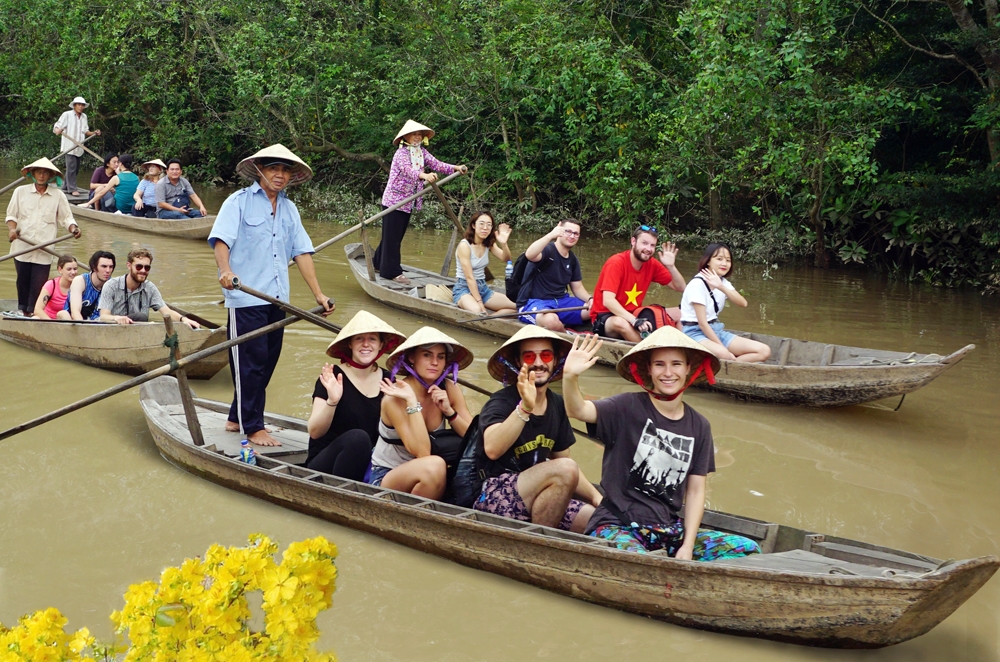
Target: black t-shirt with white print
{"points": [[540, 437], [648, 458]]}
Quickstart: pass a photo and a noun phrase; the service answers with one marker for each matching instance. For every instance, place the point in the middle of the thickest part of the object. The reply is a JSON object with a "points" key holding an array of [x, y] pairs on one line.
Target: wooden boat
{"points": [[188, 228], [132, 349], [799, 372], [806, 588]]}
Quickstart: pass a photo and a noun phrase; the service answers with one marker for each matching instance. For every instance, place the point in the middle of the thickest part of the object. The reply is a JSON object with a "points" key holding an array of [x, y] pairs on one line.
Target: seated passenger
{"points": [[145, 192], [418, 404], [657, 450], [526, 438], [471, 259], [85, 292], [129, 298], [174, 195], [122, 186], [102, 175], [555, 268], [705, 297], [54, 292], [347, 399]]}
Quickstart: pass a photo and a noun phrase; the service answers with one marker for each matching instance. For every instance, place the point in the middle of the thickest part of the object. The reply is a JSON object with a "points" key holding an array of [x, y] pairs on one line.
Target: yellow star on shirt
{"points": [[633, 294]]}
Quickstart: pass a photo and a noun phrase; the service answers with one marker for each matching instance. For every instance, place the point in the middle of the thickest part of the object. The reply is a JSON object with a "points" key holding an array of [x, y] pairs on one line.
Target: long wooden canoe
{"points": [[132, 349], [188, 228], [799, 372], [806, 588]]}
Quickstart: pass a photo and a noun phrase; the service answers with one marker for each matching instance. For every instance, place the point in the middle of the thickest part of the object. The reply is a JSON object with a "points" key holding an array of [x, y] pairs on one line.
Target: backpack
{"points": [[517, 285], [656, 314], [468, 480]]}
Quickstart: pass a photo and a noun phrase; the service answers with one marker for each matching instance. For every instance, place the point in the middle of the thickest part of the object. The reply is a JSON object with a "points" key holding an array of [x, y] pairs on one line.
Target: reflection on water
{"points": [[88, 506]]}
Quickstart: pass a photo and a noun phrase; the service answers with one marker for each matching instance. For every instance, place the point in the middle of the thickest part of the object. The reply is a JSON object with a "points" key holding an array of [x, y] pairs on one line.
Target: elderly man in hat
{"points": [[73, 124], [258, 230], [658, 451], [529, 475], [33, 216]]}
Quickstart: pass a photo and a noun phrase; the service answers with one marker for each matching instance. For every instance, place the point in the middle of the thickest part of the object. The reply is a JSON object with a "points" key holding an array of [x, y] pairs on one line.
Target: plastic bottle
{"points": [[246, 453], [509, 271]]}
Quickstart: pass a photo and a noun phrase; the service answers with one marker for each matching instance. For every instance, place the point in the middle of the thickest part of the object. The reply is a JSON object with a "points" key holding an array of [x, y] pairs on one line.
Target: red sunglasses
{"points": [[528, 357]]}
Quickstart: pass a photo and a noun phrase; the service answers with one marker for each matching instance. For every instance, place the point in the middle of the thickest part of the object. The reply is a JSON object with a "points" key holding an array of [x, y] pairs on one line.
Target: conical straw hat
{"points": [[664, 337], [41, 163], [79, 100], [364, 322], [301, 172], [509, 351], [428, 335], [411, 127], [157, 162]]}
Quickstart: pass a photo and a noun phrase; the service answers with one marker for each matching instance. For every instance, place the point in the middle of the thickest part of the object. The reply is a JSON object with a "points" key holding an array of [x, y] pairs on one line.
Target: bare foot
{"points": [[232, 427], [262, 438]]}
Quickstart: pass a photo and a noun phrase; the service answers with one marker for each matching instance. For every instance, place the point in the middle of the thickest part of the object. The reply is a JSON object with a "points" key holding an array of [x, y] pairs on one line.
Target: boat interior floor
{"points": [[799, 560], [213, 429]]}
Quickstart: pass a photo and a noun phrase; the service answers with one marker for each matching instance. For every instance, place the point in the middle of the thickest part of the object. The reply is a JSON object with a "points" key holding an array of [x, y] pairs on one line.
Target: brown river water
{"points": [[88, 506]]}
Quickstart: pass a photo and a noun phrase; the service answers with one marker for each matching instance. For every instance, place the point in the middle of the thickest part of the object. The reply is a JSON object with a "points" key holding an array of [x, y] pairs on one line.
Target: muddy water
{"points": [[87, 506]]}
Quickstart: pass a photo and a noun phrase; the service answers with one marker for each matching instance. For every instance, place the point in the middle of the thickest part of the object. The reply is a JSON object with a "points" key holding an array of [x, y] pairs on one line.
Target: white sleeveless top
{"points": [[479, 264], [389, 455]]}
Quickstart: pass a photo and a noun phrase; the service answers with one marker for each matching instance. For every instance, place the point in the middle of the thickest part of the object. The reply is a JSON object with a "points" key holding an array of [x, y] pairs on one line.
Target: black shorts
{"points": [[599, 323]]}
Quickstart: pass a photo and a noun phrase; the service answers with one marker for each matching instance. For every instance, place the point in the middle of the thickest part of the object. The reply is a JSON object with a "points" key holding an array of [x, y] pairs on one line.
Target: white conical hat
{"points": [[78, 100], [509, 351], [662, 338], [157, 162], [364, 322], [428, 335], [41, 163], [301, 172], [412, 127]]}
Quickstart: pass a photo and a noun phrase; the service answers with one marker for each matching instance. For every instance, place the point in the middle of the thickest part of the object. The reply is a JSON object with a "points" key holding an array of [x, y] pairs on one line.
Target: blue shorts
{"points": [[375, 474], [568, 318], [693, 331], [462, 288]]}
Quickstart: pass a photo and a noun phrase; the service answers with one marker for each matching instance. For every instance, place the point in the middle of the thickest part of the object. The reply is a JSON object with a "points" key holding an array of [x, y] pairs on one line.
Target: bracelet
{"points": [[525, 418], [333, 405], [520, 403], [415, 409], [451, 418]]}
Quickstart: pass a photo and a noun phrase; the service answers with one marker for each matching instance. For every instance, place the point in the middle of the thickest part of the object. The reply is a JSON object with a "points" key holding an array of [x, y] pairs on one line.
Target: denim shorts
{"points": [[462, 288], [375, 474], [693, 331]]}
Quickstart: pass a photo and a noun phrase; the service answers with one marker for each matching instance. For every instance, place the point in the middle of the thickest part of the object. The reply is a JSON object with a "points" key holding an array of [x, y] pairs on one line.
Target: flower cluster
{"points": [[200, 611]]}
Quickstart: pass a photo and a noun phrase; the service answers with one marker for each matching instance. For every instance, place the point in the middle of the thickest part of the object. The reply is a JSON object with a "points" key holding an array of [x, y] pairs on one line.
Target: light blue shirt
{"points": [[260, 243]]}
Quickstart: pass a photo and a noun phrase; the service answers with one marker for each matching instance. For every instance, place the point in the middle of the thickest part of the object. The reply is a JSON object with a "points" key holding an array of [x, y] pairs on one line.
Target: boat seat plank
{"points": [[854, 554], [764, 533], [213, 425], [799, 560]]}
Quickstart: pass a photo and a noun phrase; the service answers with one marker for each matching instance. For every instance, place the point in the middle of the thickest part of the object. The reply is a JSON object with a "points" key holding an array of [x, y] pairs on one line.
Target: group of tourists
{"points": [[163, 192]]}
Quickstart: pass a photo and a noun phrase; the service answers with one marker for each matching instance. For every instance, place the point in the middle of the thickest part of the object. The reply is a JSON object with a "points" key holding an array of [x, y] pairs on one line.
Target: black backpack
{"points": [[468, 480], [518, 284]]}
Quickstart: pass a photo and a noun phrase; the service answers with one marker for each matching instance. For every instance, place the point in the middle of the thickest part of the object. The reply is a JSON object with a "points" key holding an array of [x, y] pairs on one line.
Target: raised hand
{"points": [[582, 356], [556, 232], [668, 254], [439, 397], [502, 233], [711, 278], [334, 384], [399, 389], [526, 387]]}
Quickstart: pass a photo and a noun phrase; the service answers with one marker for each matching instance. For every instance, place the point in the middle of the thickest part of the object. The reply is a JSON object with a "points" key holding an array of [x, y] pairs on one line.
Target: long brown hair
{"points": [[470, 230]]}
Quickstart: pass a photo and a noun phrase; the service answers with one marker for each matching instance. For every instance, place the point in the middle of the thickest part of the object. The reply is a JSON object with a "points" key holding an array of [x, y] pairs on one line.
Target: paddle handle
{"points": [[289, 308], [35, 248], [18, 181], [484, 318]]}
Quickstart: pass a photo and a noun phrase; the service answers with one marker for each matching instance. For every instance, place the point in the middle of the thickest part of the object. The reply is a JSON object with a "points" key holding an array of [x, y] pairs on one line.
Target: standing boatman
{"points": [[73, 124], [33, 216], [257, 231]]}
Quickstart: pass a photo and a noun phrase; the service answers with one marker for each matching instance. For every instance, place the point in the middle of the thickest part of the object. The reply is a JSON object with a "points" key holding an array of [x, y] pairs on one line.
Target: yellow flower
{"points": [[279, 586]]}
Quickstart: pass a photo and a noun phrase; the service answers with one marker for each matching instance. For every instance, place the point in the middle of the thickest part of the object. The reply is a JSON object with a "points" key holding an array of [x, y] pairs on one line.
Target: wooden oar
{"points": [[371, 219], [35, 248], [486, 318], [84, 147], [151, 375], [18, 181]]}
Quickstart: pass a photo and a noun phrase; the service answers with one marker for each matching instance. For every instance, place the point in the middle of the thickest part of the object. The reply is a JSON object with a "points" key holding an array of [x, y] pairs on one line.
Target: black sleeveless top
{"points": [[353, 411]]}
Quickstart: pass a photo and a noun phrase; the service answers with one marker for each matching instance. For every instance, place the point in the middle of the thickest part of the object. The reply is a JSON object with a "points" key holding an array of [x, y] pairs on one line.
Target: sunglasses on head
{"points": [[649, 228], [528, 357], [142, 267]]}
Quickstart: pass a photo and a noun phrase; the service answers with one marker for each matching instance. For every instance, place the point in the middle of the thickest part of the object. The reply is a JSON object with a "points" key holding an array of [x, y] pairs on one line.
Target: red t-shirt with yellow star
{"points": [[629, 285]]}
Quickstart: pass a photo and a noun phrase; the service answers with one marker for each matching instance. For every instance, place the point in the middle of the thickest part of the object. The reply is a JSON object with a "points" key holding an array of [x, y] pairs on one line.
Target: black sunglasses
{"points": [[142, 267]]}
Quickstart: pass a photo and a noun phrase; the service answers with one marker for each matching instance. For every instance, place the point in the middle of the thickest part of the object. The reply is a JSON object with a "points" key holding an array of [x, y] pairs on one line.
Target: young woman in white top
{"points": [[704, 298], [473, 255]]}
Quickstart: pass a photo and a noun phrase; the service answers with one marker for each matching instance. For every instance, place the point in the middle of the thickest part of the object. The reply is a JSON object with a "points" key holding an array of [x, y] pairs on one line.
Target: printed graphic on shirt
{"points": [[534, 451], [660, 463], [633, 295]]}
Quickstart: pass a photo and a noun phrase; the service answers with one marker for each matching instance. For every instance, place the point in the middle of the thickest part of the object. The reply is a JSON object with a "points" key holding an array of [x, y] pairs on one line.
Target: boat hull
{"points": [[188, 228]]}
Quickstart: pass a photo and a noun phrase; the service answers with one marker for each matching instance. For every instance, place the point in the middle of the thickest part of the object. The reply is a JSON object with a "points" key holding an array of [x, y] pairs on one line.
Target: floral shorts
{"points": [[500, 497], [708, 546]]}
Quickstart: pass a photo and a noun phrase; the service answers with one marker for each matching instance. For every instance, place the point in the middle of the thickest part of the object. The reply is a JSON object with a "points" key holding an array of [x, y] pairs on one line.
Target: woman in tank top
{"points": [[417, 403], [53, 295], [347, 399], [471, 259]]}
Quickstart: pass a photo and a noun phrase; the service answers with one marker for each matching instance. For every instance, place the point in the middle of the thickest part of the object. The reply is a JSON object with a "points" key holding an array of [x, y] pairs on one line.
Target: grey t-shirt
{"points": [[167, 192], [116, 297], [648, 458]]}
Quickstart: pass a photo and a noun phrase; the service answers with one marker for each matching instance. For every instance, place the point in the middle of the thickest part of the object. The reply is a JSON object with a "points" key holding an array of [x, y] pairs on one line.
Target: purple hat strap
{"points": [[451, 370]]}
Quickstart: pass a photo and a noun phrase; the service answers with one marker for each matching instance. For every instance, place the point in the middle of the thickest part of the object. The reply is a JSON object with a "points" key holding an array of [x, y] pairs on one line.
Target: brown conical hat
{"points": [[509, 351], [412, 127], [662, 338], [364, 322], [428, 335], [41, 163], [301, 172], [156, 162]]}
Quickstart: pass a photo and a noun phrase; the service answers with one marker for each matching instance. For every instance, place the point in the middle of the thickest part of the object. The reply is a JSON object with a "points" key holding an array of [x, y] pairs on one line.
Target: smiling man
{"points": [[258, 230], [555, 268], [129, 298]]}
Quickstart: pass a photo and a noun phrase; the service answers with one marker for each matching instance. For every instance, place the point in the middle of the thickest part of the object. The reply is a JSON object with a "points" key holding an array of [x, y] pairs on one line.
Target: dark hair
{"points": [[639, 230], [126, 161], [711, 250], [108, 157], [573, 221], [172, 161], [470, 230], [64, 259], [139, 252], [96, 257]]}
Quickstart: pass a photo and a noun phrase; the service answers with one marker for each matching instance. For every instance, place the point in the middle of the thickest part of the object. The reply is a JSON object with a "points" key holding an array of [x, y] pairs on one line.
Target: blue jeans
{"points": [[107, 201], [176, 215]]}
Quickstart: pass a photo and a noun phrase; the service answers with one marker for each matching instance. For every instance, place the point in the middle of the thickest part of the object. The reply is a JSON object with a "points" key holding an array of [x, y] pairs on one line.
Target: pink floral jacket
{"points": [[404, 180]]}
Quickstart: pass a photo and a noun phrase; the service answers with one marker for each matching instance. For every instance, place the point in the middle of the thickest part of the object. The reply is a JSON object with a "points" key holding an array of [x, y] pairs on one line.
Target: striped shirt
{"points": [[116, 297], [76, 127]]}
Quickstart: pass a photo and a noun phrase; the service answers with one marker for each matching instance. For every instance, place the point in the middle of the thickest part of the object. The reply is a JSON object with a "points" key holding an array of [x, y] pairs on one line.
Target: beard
{"points": [[639, 256]]}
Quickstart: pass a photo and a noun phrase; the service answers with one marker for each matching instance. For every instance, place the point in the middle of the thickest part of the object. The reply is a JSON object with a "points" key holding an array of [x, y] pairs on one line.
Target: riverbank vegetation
{"points": [[859, 131]]}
